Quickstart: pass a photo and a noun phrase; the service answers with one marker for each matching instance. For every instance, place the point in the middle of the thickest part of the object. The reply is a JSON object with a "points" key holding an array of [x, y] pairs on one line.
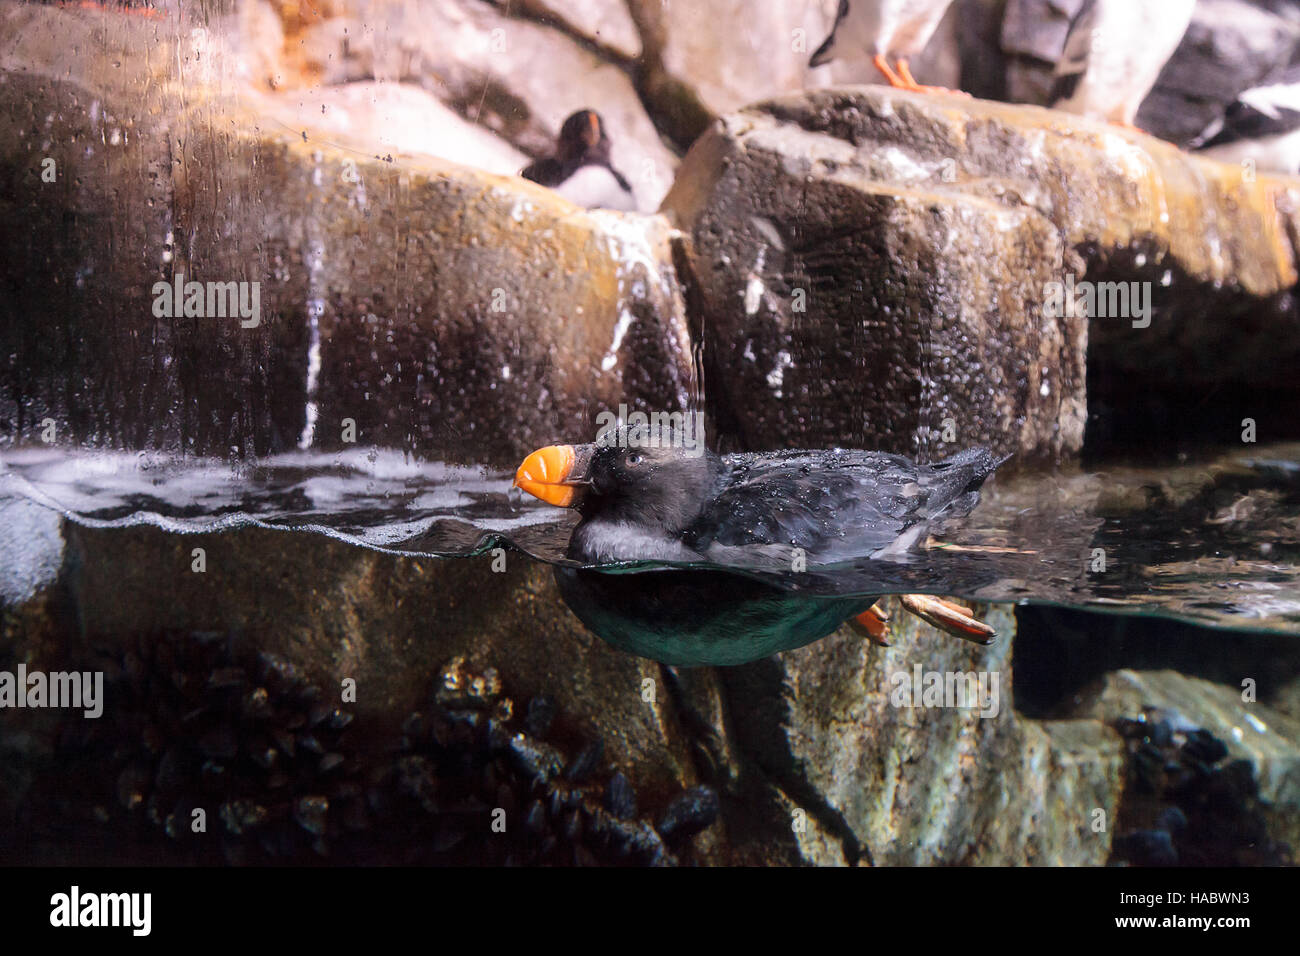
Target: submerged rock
{"points": [[855, 764], [1210, 765], [838, 752], [332, 611], [450, 790]]}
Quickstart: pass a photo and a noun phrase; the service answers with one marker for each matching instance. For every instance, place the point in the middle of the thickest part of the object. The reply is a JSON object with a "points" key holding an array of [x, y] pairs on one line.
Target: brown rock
{"points": [[855, 772], [486, 66], [921, 234], [1251, 731], [390, 623], [732, 52], [441, 309]]}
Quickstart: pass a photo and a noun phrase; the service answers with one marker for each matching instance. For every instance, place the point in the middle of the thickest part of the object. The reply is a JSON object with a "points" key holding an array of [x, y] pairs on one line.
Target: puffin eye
{"points": [[634, 458]]}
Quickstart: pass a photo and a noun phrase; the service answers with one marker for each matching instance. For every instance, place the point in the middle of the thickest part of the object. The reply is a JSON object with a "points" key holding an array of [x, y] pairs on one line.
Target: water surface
{"points": [[1214, 541]]}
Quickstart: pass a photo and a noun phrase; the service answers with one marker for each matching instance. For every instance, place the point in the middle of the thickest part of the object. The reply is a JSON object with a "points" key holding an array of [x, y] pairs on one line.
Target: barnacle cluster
{"points": [[281, 772], [1187, 804]]}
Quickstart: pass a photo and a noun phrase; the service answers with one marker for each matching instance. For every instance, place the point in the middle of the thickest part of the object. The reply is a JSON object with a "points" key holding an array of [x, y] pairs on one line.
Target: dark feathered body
{"points": [[583, 146], [778, 511], [752, 510]]}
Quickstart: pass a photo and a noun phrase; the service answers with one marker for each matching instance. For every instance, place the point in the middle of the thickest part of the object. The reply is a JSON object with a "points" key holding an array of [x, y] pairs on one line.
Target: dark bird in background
{"points": [[884, 30], [1114, 53], [640, 501], [1262, 125], [581, 169]]}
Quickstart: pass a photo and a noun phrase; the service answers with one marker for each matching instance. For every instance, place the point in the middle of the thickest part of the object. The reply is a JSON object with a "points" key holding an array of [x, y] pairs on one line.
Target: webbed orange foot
{"points": [[949, 617]]}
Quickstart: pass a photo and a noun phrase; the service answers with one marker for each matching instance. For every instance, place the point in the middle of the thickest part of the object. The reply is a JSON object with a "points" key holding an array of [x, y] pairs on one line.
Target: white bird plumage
{"points": [[884, 30], [1261, 126], [1114, 53]]}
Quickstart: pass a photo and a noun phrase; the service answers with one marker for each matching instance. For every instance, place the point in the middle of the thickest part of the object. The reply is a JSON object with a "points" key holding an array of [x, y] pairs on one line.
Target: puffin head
{"points": [[583, 139], [624, 478]]}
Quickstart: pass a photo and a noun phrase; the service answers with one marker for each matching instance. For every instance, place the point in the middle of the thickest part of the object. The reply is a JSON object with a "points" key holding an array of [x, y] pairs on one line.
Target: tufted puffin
{"points": [[642, 500], [581, 169]]}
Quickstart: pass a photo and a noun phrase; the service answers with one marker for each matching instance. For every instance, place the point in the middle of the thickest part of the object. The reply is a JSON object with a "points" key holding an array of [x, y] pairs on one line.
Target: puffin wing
{"points": [[836, 504], [544, 171]]}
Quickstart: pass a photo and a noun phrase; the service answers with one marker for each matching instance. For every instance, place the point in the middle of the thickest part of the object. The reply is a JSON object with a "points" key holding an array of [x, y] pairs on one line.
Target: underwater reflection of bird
{"points": [[644, 498], [1114, 53], [884, 30], [581, 169], [1262, 125], [689, 617]]}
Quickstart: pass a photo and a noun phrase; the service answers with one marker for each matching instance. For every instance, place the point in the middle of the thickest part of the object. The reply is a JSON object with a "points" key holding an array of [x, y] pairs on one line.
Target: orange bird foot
{"points": [[902, 79], [873, 624], [949, 617]]}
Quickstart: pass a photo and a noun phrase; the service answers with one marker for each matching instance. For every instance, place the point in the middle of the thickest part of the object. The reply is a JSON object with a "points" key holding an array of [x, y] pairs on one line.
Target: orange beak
{"points": [[548, 474]]}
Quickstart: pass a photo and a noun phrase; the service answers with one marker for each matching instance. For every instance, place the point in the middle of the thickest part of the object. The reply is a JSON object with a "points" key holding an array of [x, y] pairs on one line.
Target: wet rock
{"points": [[874, 267], [849, 296], [481, 62], [101, 235], [688, 813], [1230, 768], [848, 771], [452, 312], [620, 798]]}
